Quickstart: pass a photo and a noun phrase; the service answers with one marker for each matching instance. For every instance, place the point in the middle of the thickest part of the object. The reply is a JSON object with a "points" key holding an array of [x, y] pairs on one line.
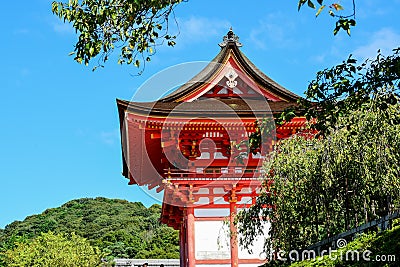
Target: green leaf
{"points": [[137, 63], [352, 22], [320, 10], [301, 3], [103, 23], [311, 4], [337, 6]]}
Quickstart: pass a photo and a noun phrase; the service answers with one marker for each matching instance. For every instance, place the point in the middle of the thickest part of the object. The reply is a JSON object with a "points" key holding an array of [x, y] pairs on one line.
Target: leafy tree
{"points": [[50, 249], [319, 187], [117, 227], [137, 27], [9, 244], [343, 22], [385, 243], [340, 90], [347, 87]]}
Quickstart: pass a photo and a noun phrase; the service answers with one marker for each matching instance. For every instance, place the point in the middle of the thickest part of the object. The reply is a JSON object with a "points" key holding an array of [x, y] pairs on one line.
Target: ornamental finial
{"points": [[230, 37]]}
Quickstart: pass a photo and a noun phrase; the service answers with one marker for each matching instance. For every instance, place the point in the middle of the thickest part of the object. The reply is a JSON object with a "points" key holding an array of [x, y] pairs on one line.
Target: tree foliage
{"points": [[343, 22], [50, 249], [117, 227], [135, 27], [337, 91], [384, 247], [319, 187]]}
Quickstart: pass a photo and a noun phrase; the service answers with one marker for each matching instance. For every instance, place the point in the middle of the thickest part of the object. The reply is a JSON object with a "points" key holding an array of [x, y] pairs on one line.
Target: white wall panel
{"points": [[211, 240]]}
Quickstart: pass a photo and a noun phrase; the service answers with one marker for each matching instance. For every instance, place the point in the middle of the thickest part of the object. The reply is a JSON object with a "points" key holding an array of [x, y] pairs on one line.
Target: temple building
{"points": [[191, 145]]}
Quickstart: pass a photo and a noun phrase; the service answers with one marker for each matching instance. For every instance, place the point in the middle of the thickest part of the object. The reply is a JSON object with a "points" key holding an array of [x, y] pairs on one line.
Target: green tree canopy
{"points": [[137, 27], [384, 247], [117, 227], [320, 187], [50, 249], [343, 22], [338, 91], [134, 27]]}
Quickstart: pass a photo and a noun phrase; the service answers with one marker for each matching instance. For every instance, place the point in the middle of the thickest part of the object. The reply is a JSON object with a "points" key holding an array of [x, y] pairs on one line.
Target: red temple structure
{"points": [[186, 145]]}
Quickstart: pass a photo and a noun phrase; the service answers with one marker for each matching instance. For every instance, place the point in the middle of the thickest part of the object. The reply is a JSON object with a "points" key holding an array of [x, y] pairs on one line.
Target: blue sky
{"points": [[59, 122]]}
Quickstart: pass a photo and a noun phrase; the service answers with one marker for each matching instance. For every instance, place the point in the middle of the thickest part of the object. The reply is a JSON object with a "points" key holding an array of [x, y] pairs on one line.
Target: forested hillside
{"points": [[118, 227]]}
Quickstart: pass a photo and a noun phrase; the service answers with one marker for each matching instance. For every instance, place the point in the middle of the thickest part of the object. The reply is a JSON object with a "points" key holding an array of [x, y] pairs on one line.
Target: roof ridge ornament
{"points": [[230, 37]]}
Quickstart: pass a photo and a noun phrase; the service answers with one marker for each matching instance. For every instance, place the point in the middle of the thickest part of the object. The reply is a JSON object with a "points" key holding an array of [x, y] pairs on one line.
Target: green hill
{"points": [[123, 229]]}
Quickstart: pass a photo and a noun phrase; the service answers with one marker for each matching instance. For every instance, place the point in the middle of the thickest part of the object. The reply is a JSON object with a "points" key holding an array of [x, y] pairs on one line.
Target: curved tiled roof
{"points": [[229, 47], [207, 107]]}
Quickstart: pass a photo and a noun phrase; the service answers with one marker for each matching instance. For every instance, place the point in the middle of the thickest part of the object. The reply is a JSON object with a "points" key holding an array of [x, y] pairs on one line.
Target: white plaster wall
{"points": [[211, 240], [207, 213]]}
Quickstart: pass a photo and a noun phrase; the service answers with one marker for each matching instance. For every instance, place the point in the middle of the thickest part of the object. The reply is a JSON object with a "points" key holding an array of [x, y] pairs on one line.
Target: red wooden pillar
{"points": [[182, 245], [233, 230], [190, 237]]}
